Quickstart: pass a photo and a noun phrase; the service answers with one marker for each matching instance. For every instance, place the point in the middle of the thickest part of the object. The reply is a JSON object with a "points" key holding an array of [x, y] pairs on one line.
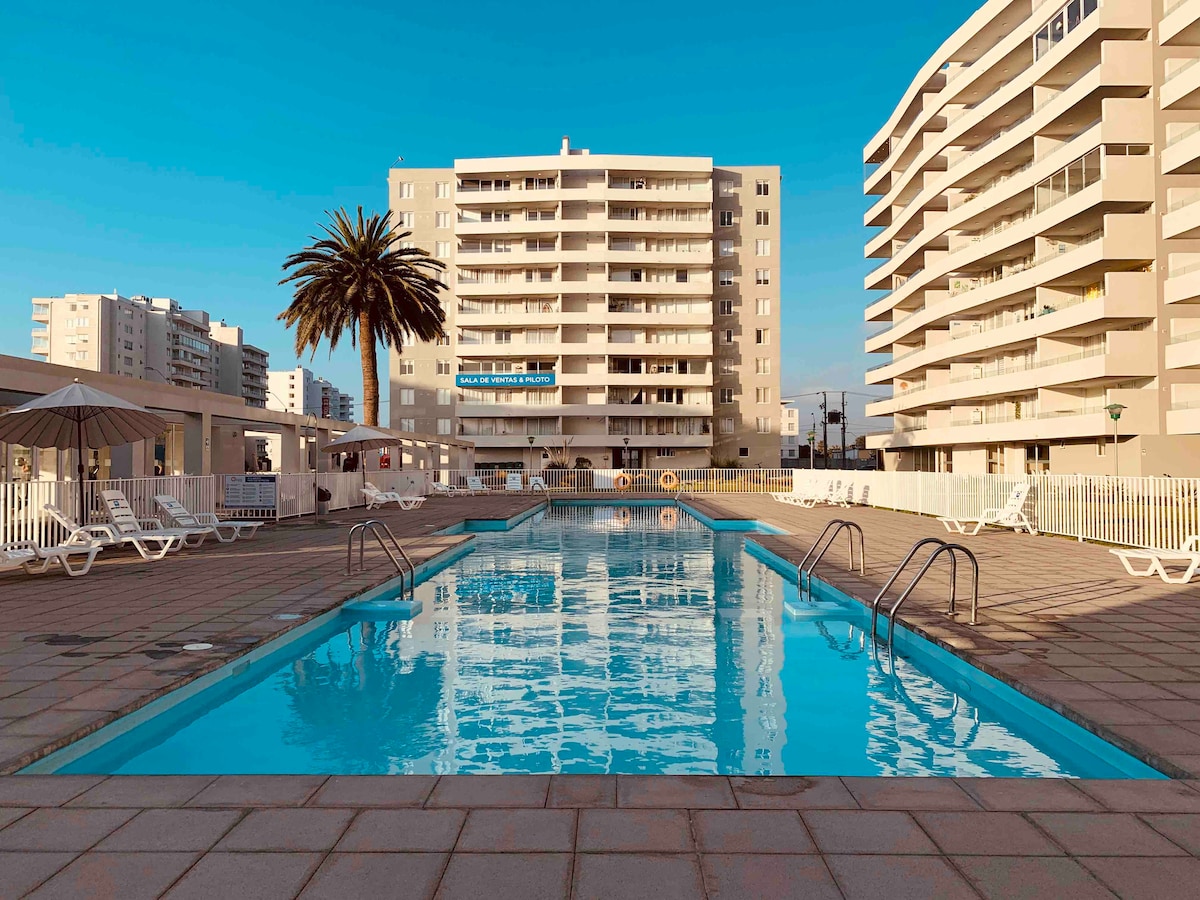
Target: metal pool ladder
{"points": [[837, 526], [942, 547], [374, 526]]}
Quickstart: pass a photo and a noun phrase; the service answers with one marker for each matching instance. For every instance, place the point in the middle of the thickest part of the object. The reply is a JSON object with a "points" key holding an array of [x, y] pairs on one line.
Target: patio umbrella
{"points": [[357, 439], [78, 417]]}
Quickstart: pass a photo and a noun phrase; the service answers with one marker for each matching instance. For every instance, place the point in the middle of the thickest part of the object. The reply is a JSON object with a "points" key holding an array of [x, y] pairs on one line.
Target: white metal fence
{"points": [[637, 481], [1138, 512], [296, 493]]}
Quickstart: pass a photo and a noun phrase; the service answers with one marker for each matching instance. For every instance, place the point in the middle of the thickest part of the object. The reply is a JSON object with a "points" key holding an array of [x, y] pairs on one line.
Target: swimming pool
{"points": [[602, 638]]}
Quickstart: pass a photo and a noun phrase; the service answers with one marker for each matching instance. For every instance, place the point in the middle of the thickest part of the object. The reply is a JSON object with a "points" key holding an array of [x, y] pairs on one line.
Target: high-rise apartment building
{"points": [[789, 435], [241, 367], [300, 392], [1036, 216], [619, 309]]}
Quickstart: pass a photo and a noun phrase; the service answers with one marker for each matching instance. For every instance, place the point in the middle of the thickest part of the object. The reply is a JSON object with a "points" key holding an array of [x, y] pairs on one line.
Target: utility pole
{"points": [[825, 428], [843, 429]]}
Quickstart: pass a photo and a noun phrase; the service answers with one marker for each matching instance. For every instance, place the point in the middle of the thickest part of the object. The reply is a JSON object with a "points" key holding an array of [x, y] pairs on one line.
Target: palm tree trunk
{"points": [[370, 372]]}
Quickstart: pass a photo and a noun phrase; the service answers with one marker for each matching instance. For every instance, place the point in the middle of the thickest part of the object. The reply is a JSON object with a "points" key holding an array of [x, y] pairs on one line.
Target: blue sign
{"points": [[534, 379]]}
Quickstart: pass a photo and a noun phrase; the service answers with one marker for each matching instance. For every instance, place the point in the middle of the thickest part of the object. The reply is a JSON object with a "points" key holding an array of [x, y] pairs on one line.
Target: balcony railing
{"points": [[1177, 72], [1001, 419]]}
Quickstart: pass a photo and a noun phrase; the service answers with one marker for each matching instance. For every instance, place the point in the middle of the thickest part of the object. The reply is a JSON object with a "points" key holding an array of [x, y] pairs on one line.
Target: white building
{"points": [[241, 367], [298, 391], [789, 434]]}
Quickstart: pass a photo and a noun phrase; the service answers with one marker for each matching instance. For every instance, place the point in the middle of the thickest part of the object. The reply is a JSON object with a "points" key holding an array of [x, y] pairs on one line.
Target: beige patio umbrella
{"points": [[357, 439], [78, 417]]}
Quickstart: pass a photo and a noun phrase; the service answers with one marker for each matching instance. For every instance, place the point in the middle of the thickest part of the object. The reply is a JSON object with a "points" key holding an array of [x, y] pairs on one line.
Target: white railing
{"points": [[22, 503], [1139, 512], [296, 493], [625, 481]]}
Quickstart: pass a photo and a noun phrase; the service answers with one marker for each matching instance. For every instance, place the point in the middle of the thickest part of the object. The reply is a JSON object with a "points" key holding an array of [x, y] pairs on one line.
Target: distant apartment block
{"points": [[1036, 216], [789, 435], [152, 338], [299, 391], [619, 309]]}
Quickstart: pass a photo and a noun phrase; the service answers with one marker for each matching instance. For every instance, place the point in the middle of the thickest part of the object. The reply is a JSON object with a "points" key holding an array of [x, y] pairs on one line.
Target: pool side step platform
{"points": [[384, 609], [820, 609]]}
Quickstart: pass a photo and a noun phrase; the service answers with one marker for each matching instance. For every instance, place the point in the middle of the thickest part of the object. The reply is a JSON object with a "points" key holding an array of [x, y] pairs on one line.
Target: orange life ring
{"points": [[622, 482], [668, 517], [668, 481]]}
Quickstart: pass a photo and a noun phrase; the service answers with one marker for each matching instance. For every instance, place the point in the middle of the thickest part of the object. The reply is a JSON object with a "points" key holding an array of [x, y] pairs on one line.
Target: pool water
{"points": [[602, 639]]}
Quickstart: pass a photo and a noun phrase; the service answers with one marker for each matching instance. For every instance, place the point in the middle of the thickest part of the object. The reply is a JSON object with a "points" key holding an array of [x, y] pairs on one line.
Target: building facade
{"points": [[1035, 216], [241, 367], [789, 435], [603, 310], [300, 392]]}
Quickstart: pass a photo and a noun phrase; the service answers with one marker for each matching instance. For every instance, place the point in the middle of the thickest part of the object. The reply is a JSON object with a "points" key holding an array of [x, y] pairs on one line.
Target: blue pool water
{"points": [[593, 638]]}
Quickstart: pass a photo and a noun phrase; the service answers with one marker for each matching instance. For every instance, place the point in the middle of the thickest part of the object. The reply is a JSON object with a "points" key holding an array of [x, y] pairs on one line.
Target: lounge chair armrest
{"points": [[991, 512], [206, 518], [21, 545], [89, 533], [1192, 544], [151, 524]]}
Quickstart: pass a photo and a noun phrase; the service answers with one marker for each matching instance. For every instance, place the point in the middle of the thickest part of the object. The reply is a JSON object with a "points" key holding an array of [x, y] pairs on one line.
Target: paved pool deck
{"points": [[1060, 620]]}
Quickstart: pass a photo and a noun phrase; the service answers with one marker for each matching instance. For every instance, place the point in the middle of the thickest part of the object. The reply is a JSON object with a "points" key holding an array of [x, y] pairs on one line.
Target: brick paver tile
{"points": [[776, 877], [1028, 794], [21, 872], [63, 829], [1147, 879], [44, 790], [10, 814], [1181, 828], [898, 878], [1104, 834], [246, 876], [374, 790], [288, 829], [259, 790], [506, 876], [172, 829], [627, 876], [909, 793], [675, 791], [124, 791], [582, 790], [751, 831], [986, 834], [791, 792], [342, 876], [1031, 878], [518, 831], [634, 830], [851, 831], [130, 876], [414, 830], [490, 790], [1141, 795]]}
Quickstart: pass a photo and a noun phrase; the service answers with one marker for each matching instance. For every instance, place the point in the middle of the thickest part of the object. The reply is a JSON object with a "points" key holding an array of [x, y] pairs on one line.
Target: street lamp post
{"points": [[625, 458], [530, 439], [812, 456], [1114, 412]]}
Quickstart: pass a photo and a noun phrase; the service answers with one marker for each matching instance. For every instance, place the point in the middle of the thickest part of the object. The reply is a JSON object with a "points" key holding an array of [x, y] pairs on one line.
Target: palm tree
{"points": [[359, 278]]}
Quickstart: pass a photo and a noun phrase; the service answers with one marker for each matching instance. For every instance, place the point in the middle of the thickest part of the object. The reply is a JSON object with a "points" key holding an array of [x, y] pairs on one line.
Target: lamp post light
{"points": [[530, 439], [1114, 412], [625, 458]]}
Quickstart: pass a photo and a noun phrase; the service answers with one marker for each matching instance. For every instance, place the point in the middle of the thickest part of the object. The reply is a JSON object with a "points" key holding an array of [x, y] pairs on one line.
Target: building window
{"points": [[762, 306], [762, 365], [727, 336], [725, 218], [743, 452], [666, 451], [762, 247], [441, 219], [725, 395], [408, 245], [406, 190], [1101, 443], [725, 366], [762, 425], [681, 276], [762, 276], [762, 188], [442, 190], [726, 188], [443, 426], [725, 278], [407, 396], [762, 395], [762, 217], [727, 425], [724, 307], [441, 249], [443, 341], [443, 367], [762, 336], [409, 425], [407, 367], [405, 219], [443, 396], [725, 248]]}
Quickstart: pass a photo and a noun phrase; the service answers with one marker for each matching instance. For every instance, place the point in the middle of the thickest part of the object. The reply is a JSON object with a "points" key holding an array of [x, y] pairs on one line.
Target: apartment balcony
{"points": [[1184, 418], [1050, 426], [1181, 87], [1183, 284], [1183, 351], [531, 319], [641, 380], [41, 313], [639, 196], [517, 194], [1182, 219], [516, 287], [658, 410], [1181, 152], [654, 288], [1180, 24], [651, 440], [484, 441], [649, 348], [592, 224]]}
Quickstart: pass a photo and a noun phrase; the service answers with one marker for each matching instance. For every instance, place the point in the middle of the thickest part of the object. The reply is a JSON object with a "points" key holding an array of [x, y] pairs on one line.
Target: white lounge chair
{"points": [[1011, 515], [811, 500], [143, 534], [226, 531], [475, 485], [840, 497], [537, 483], [1157, 561], [377, 498], [448, 489], [36, 560], [103, 534]]}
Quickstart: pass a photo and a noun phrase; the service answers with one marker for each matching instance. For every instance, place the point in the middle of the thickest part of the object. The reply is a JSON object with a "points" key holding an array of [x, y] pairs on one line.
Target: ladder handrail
{"points": [[837, 525], [373, 525], [953, 550], [912, 551], [851, 529]]}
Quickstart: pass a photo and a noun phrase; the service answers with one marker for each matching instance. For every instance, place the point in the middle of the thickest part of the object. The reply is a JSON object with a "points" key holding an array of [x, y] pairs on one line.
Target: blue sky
{"points": [[158, 150]]}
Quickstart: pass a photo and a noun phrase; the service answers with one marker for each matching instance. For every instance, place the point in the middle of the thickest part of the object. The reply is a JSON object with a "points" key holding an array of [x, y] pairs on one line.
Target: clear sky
{"points": [[185, 151]]}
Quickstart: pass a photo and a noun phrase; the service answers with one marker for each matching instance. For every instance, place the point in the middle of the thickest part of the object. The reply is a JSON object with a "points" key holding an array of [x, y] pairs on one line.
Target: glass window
{"points": [[443, 367], [443, 426], [727, 336], [725, 277], [762, 425], [762, 276], [762, 188], [762, 248], [727, 425], [443, 396], [762, 306], [442, 190], [725, 395], [406, 190], [725, 248], [407, 397], [762, 335], [725, 366], [408, 425], [407, 367], [762, 217], [726, 188], [726, 217], [441, 219], [441, 249], [762, 365], [724, 307]]}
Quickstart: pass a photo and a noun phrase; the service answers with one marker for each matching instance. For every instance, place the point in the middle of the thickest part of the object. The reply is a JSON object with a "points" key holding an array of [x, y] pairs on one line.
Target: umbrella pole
{"points": [[82, 518]]}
